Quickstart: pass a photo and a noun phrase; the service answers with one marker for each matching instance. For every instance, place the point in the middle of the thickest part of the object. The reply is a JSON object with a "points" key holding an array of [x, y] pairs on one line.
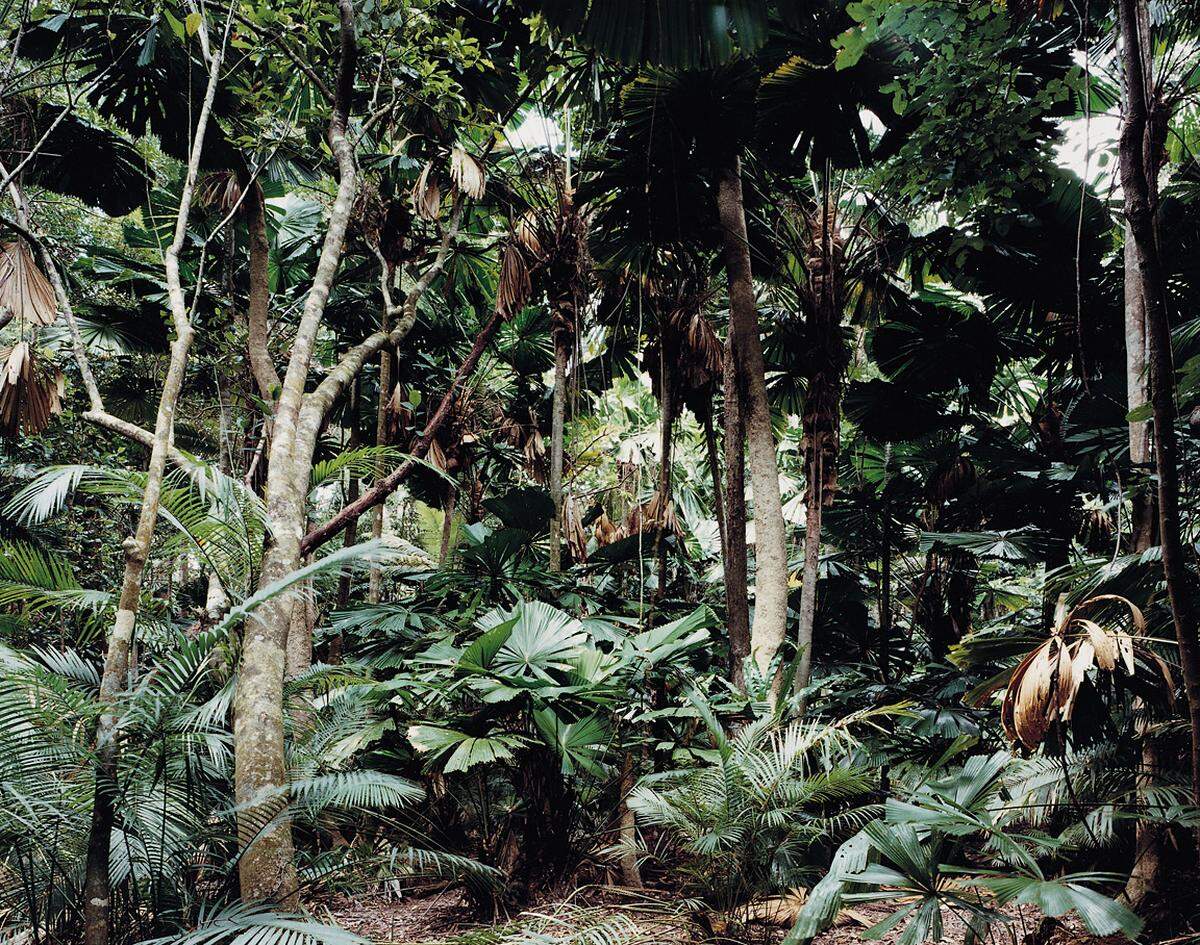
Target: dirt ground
{"points": [[444, 917]]}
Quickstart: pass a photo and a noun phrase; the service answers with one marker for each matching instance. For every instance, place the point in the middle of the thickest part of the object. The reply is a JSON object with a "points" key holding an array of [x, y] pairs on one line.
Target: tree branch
{"points": [[386, 486], [261, 365], [323, 398]]}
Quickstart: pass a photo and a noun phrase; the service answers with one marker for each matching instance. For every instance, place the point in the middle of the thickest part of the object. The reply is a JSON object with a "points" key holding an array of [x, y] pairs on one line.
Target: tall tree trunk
{"points": [[737, 594], [770, 545], [375, 585], [266, 869], [558, 414], [808, 585], [667, 411], [822, 406], [714, 470], [1149, 861], [1141, 143], [115, 677]]}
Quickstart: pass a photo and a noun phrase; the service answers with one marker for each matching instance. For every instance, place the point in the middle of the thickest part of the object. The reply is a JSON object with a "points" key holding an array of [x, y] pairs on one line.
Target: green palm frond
{"points": [[355, 790], [261, 925], [33, 579]]}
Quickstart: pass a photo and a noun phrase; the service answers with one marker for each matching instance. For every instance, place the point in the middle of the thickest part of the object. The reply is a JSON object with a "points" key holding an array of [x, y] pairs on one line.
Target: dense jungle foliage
{"points": [[635, 470]]}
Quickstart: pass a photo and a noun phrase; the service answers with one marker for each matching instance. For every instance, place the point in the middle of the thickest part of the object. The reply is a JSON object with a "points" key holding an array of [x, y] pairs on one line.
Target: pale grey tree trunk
{"points": [[1149, 863], [770, 548], [1142, 140], [558, 414], [266, 869]]}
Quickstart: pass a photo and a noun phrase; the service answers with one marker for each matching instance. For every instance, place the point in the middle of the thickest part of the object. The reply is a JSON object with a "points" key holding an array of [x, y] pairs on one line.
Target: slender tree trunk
{"points": [[737, 594], [631, 875], [667, 410], [1141, 144], [375, 586], [813, 507], [447, 526], [115, 677], [770, 546], [266, 378], [1149, 862], [822, 408], [714, 470], [558, 413], [97, 894]]}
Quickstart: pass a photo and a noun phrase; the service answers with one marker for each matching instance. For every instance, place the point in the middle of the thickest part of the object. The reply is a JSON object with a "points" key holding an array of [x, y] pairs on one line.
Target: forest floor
{"points": [[445, 917]]}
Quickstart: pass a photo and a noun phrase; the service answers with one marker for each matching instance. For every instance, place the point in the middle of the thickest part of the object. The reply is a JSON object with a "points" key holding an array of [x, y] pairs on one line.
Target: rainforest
{"points": [[599, 472]]}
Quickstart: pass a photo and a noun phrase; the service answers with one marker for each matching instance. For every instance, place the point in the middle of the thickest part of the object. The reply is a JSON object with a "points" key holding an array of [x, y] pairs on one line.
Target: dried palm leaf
{"points": [[467, 174], [24, 289], [526, 233], [29, 395], [1042, 692], [514, 286], [437, 456], [605, 531], [426, 195], [574, 532]]}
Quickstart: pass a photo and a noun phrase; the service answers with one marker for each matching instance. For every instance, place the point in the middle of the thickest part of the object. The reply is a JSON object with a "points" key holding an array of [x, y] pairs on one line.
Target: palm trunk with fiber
{"points": [[822, 409]]}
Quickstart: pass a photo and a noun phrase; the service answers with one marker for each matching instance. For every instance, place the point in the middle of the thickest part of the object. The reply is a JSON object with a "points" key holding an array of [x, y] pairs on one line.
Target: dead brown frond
{"points": [[24, 289], [426, 195], [467, 174], [605, 532], [514, 287], [526, 233], [220, 190], [575, 533], [655, 514], [1042, 693], [29, 394]]}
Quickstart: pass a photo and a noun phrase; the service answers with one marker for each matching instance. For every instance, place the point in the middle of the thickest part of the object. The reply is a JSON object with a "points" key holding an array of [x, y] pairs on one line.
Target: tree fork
{"points": [[386, 486]]}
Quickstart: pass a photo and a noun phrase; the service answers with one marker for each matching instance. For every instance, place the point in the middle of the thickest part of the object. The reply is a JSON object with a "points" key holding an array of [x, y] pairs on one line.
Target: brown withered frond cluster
{"points": [[1042, 694], [29, 393], [24, 289]]}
